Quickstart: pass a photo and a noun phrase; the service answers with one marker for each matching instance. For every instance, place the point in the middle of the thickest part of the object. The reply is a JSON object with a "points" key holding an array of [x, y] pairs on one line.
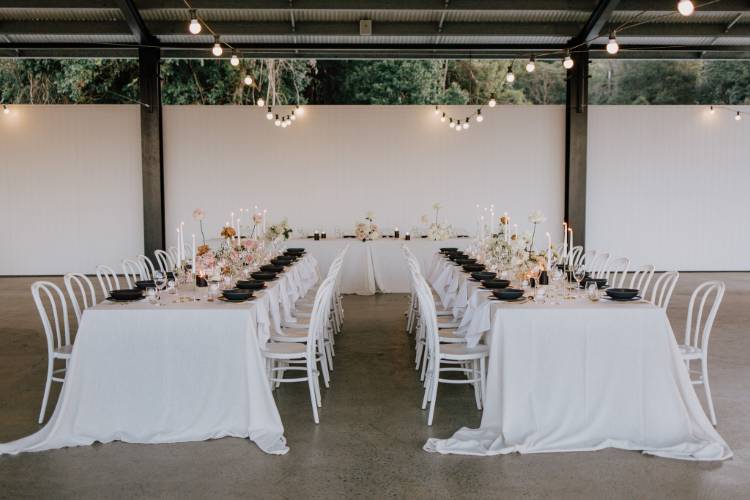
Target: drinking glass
{"points": [[579, 272], [160, 280], [151, 295], [593, 291]]}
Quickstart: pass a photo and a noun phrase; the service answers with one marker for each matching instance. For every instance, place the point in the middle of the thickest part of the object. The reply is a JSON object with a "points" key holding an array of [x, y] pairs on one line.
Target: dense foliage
{"points": [[195, 81]]}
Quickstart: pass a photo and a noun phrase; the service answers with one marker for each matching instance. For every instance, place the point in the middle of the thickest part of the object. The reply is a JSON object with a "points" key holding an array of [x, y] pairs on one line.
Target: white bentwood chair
{"points": [[615, 271], [663, 289], [133, 271], [147, 266], [78, 284], [108, 279], [50, 299], [286, 353], [698, 331], [642, 279], [164, 260]]}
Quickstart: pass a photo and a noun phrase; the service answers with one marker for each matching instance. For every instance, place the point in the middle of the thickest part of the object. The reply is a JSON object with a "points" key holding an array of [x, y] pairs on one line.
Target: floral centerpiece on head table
{"points": [[233, 257], [278, 231], [437, 231], [367, 230]]}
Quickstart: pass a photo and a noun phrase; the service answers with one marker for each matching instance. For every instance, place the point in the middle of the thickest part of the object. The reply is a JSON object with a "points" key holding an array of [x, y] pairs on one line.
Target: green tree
{"points": [[546, 85], [725, 82], [646, 82]]}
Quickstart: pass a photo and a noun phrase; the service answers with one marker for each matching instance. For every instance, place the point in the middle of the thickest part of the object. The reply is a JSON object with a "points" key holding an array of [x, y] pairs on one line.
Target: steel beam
{"points": [[576, 135]]}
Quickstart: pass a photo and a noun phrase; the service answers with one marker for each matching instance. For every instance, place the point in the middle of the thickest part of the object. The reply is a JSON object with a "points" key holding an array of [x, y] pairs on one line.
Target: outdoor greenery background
{"points": [[208, 81]]}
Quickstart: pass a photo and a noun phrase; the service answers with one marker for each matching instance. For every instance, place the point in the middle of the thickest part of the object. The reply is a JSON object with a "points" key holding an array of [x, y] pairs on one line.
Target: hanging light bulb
{"points": [[234, 60], [442, 118], [261, 102], [466, 123], [492, 102], [567, 61], [437, 111], [509, 76], [294, 116], [480, 118], [6, 109], [531, 65], [269, 115], [738, 116], [248, 80], [278, 121], [685, 7], [711, 110], [452, 123], [300, 110], [612, 46], [458, 128], [195, 25], [217, 50]]}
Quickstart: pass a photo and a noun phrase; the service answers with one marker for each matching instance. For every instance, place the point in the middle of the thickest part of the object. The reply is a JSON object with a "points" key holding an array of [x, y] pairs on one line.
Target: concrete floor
{"points": [[369, 442]]}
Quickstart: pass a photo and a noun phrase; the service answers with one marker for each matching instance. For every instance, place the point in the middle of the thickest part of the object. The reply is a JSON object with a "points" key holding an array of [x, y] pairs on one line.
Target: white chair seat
{"points": [[290, 350], [297, 335], [297, 325], [447, 322], [449, 337], [458, 351], [689, 352], [64, 352]]}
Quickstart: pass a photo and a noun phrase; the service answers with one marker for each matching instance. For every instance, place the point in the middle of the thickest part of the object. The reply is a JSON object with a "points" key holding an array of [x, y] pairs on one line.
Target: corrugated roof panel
{"points": [[55, 14], [33, 38], [660, 40], [518, 16], [699, 17]]}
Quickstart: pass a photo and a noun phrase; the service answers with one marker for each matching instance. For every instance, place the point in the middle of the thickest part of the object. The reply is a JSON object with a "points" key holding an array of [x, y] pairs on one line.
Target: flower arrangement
{"points": [[280, 230], [437, 231], [199, 215], [367, 230], [512, 252], [227, 232], [257, 219], [231, 258]]}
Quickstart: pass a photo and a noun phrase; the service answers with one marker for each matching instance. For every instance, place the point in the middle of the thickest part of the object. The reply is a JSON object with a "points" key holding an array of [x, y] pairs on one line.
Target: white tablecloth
{"points": [[187, 371], [375, 266], [583, 376]]}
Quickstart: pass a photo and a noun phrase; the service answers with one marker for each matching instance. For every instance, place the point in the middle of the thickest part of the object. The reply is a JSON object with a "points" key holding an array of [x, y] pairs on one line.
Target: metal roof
{"points": [[331, 28]]}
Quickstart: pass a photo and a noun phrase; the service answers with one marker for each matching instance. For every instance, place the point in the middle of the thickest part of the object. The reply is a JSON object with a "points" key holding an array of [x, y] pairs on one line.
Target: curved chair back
{"points": [[615, 271], [108, 279], [699, 324], [164, 260], [147, 266], [133, 271], [50, 299], [642, 279], [663, 289], [78, 284]]}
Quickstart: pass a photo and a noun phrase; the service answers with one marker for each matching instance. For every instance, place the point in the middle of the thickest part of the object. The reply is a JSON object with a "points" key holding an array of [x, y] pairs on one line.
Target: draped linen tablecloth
{"points": [[582, 376], [184, 371], [376, 266]]}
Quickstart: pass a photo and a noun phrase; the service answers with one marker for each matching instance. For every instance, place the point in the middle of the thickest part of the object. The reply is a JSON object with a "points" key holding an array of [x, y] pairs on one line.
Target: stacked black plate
{"points": [[495, 284], [237, 294], [622, 293], [263, 276], [600, 282], [448, 250], [251, 284], [295, 251], [483, 275], [126, 294], [271, 268], [143, 284], [470, 268], [508, 293]]}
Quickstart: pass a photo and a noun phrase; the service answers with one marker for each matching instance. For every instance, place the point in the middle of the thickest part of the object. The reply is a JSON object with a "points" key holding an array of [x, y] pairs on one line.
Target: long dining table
{"points": [[185, 369], [571, 374]]}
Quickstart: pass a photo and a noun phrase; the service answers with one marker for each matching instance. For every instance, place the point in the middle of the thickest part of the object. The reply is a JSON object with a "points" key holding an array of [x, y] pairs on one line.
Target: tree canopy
{"points": [[210, 81]]}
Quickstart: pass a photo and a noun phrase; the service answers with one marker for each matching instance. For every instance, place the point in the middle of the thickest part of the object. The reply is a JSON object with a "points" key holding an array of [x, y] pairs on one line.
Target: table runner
{"points": [[182, 372]]}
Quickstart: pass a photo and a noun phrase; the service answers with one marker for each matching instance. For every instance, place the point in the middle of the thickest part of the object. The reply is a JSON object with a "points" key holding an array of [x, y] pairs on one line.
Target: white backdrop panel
{"points": [[668, 185], [70, 186], [339, 162]]}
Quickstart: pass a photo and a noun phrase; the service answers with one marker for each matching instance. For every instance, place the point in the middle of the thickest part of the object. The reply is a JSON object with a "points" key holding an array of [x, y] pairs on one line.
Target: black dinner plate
{"points": [[263, 276], [126, 294], [237, 294], [631, 299], [622, 293], [143, 284], [508, 293], [495, 284], [251, 284]]}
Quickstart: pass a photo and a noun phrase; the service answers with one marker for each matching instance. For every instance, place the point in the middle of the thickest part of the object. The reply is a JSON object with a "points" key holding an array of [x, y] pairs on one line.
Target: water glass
{"points": [[151, 295], [592, 291]]}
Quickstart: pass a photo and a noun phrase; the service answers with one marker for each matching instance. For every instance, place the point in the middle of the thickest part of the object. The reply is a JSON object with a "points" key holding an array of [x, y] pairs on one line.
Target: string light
{"points": [[685, 7], [711, 110], [442, 118], [492, 102], [531, 65], [195, 25], [437, 111], [458, 128], [466, 123], [738, 116], [480, 118], [234, 60], [261, 102], [612, 46], [277, 122], [6, 109], [217, 50], [294, 116], [509, 76], [452, 123], [248, 80], [269, 115], [300, 110], [567, 61]]}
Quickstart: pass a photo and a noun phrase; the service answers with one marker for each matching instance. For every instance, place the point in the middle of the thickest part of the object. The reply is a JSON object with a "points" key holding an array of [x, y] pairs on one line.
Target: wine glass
{"points": [[534, 273], [160, 280], [579, 272]]}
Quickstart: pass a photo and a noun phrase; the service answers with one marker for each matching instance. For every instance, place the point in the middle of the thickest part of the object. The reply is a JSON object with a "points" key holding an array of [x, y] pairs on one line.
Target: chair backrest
{"points": [[699, 324], [108, 279], [615, 271], [428, 317], [78, 284], [663, 289], [50, 299], [163, 260], [576, 255], [133, 271], [173, 254], [147, 266], [642, 279], [319, 316], [598, 265]]}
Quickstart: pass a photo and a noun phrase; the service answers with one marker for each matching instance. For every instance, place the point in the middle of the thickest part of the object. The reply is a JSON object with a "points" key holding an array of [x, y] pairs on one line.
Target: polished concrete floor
{"points": [[369, 441]]}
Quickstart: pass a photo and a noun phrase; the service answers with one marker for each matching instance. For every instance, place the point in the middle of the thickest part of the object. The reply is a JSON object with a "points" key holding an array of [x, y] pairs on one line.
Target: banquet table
{"points": [[376, 266], [575, 375], [181, 371]]}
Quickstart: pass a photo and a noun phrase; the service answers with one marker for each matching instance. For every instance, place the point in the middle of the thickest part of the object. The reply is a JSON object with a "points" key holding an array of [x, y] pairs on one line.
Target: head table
{"points": [[574, 375], [375, 266], [184, 370]]}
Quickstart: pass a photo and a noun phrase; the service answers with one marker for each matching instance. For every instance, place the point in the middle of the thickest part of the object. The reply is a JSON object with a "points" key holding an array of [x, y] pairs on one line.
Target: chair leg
{"points": [[483, 379], [707, 388], [425, 360], [324, 366], [47, 386], [433, 397], [313, 397], [427, 389], [477, 384]]}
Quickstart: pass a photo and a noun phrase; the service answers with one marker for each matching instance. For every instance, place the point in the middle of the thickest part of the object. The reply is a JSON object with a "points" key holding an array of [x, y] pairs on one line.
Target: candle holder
{"points": [[396, 234], [316, 236], [323, 235], [200, 281], [407, 237]]}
